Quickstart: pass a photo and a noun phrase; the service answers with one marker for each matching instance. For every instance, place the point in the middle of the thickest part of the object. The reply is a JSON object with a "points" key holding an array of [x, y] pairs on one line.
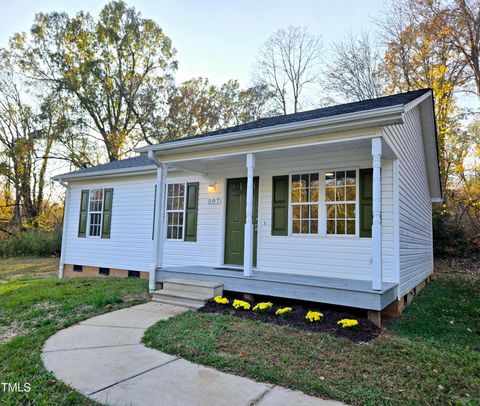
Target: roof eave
{"points": [[107, 173], [374, 115]]}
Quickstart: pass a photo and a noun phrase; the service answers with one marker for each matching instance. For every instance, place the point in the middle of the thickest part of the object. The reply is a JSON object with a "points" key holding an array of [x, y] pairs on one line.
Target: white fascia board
{"points": [[417, 101], [107, 173], [375, 115]]}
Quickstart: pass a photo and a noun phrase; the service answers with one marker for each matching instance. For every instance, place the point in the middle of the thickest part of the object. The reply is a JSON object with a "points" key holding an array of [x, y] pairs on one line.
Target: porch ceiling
{"points": [[201, 164]]}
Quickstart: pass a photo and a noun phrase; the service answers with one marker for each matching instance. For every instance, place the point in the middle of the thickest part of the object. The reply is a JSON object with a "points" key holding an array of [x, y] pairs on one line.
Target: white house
{"points": [[332, 205]]}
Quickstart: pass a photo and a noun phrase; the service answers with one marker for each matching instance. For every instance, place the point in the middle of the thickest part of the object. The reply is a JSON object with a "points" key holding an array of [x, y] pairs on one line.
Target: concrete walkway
{"points": [[104, 359]]}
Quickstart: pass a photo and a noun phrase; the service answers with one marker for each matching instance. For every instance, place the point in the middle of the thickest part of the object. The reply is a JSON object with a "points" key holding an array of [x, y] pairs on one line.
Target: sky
{"points": [[218, 39]]}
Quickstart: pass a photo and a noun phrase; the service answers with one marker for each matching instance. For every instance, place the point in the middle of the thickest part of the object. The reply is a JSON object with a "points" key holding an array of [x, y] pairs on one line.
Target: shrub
{"points": [[32, 242]]}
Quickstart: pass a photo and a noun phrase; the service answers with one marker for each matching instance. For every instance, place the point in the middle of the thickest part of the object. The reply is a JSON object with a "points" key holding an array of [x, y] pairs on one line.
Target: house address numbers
{"points": [[215, 200]]}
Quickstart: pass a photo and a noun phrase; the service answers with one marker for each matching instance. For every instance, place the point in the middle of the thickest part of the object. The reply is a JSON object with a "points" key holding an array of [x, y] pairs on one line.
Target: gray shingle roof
{"points": [[135, 162], [364, 105]]}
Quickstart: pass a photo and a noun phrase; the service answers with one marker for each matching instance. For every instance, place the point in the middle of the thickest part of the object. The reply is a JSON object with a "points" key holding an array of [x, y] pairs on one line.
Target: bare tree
{"points": [[287, 64], [353, 72], [463, 22]]}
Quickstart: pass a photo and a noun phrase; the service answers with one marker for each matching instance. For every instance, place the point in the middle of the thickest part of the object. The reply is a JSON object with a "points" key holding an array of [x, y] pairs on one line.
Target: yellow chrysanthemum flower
{"points": [[220, 300], [313, 316], [283, 310], [241, 304], [263, 306], [345, 323]]}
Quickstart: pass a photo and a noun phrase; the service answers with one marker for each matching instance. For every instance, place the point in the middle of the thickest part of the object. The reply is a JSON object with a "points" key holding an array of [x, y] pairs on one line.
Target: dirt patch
{"points": [[467, 268], [365, 330], [10, 331]]}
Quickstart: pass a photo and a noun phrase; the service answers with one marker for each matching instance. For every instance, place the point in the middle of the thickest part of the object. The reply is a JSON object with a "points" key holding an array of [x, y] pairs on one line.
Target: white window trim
{"points": [[291, 205], [357, 204], [167, 211], [101, 213], [322, 209]]}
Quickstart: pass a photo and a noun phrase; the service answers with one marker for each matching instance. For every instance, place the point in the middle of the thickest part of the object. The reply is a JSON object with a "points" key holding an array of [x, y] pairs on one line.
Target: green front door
{"points": [[235, 220]]}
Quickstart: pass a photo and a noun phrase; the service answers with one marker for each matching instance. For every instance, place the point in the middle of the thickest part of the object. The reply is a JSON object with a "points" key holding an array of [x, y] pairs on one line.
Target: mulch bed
{"points": [[365, 330]]}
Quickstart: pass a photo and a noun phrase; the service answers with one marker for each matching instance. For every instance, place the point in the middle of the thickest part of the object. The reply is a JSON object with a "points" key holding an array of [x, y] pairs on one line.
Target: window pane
{"points": [[340, 194], [313, 178], [303, 195], [340, 178], [296, 212], [314, 226], [169, 203], [331, 211], [304, 227], [304, 180], [340, 226], [350, 193], [295, 179], [329, 179], [170, 191], [341, 211], [296, 226], [314, 212], [350, 226], [351, 211], [329, 194], [314, 194], [169, 232], [305, 212], [295, 195], [351, 175], [331, 227]]}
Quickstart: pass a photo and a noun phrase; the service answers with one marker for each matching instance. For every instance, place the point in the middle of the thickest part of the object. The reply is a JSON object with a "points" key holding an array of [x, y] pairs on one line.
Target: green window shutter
{"points": [[82, 222], [191, 212], [107, 213], [154, 207], [280, 205], [366, 197]]}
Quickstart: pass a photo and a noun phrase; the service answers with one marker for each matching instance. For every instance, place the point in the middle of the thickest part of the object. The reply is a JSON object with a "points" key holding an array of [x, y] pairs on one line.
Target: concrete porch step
{"points": [[177, 298], [196, 286], [191, 293]]}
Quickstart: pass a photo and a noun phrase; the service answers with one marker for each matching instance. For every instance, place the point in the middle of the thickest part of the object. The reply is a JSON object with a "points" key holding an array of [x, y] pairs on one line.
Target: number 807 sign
{"points": [[215, 200]]}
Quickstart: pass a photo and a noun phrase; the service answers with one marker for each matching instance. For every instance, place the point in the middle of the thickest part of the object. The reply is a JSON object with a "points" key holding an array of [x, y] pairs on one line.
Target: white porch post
{"points": [[377, 214], [157, 251], [248, 242]]}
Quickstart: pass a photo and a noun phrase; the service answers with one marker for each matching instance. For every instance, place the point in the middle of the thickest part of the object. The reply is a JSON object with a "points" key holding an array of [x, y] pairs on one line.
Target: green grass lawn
{"points": [[32, 309], [27, 266], [430, 356]]}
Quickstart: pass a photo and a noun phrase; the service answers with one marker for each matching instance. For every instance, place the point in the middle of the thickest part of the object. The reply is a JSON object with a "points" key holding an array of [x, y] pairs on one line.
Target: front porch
{"points": [[336, 291]]}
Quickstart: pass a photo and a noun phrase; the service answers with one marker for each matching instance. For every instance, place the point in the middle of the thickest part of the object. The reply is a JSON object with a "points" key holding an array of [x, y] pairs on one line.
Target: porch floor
{"points": [[344, 292]]}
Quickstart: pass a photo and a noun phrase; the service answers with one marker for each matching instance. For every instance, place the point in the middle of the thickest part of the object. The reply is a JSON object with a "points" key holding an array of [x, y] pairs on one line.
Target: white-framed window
{"points": [[304, 201], [175, 210], [341, 202], [95, 212]]}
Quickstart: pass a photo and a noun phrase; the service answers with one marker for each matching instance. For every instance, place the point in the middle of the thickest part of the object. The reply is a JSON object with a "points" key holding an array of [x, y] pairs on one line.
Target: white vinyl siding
{"points": [[130, 244], [414, 205], [336, 256]]}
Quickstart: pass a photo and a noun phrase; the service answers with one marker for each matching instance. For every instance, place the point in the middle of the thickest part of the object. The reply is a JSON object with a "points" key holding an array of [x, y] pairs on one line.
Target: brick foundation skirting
{"points": [[95, 271]]}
